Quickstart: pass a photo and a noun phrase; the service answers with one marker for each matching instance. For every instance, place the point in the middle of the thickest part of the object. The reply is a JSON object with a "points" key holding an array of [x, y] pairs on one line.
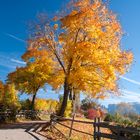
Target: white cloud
{"points": [[9, 62], [14, 37], [5, 62], [130, 80], [130, 96], [18, 61], [130, 92]]}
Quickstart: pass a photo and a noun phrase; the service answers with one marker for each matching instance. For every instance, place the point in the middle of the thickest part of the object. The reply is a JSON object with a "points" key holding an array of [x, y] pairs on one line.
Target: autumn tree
{"points": [[84, 43], [9, 97], [33, 76]]}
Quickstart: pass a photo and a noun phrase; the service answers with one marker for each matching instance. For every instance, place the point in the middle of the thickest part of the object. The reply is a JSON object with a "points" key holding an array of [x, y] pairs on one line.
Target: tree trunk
{"points": [[65, 99], [77, 101], [33, 101]]}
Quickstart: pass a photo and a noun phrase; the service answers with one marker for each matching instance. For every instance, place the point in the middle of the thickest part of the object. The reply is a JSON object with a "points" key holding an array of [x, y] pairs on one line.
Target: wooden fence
{"points": [[22, 113], [118, 132]]}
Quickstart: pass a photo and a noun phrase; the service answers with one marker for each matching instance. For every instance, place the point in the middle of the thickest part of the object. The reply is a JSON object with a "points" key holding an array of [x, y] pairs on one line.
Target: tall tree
{"points": [[85, 45]]}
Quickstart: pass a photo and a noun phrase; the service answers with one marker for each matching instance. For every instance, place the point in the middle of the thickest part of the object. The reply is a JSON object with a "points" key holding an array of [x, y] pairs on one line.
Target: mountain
{"points": [[126, 107]]}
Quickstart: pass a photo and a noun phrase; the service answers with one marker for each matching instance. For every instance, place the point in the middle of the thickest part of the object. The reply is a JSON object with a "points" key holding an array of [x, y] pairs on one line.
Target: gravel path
{"points": [[22, 131]]}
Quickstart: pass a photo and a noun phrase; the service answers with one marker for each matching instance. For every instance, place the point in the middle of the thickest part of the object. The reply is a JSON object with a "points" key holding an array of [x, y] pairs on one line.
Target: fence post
{"points": [[98, 129], [71, 126], [95, 121], [118, 133]]}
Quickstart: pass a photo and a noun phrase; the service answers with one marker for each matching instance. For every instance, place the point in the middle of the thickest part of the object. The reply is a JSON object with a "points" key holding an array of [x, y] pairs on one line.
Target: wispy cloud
{"points": [[129, 96], [18, 61], [5, 62], [7, 65], [130, 80], [14, 37], [127, 92], [126, 96], [10, 62]]}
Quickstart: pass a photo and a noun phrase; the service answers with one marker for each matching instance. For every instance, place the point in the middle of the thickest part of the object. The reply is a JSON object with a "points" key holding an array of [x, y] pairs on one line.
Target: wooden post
{"points": [[98, 130], [71, 126], [95, 121], [118, 133]]}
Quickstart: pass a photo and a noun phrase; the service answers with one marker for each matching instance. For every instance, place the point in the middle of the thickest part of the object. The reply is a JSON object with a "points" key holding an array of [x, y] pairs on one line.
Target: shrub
{"points": [[109, 118], [124, 121], [92, 113]]}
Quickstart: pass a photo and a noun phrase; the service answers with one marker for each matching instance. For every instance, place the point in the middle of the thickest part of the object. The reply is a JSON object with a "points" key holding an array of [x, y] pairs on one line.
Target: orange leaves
{"points": [[123, 62], [34, 53], [57, 79], [85, 50], [55, 26], [74, 12], [82, 3], [55, 18], [92, 42], [37, 72]]}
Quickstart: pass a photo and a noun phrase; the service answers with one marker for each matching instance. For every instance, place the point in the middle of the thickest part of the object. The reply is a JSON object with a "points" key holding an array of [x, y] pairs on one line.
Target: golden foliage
{"points": [[46, 105], [30, 78], [84, 53], [9, 97]]}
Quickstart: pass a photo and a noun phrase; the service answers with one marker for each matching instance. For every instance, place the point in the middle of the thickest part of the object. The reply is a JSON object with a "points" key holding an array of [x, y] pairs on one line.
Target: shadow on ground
{"points": [[32, 127]]}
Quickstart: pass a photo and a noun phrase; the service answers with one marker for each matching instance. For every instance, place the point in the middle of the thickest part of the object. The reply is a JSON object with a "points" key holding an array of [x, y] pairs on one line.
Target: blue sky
{"points": [[16, 14]]}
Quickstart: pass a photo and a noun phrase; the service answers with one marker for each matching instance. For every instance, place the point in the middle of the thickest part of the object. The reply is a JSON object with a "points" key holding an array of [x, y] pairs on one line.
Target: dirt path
{"points": [[22, 131]]}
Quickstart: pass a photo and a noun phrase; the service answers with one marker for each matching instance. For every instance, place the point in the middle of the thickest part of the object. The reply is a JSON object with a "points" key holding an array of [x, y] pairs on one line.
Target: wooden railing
{"points": [[118, 132], [21, 113]]}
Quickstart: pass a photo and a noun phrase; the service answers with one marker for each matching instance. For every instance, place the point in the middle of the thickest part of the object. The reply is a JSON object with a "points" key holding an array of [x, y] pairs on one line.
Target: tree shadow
{"points": [[31, 128]]}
